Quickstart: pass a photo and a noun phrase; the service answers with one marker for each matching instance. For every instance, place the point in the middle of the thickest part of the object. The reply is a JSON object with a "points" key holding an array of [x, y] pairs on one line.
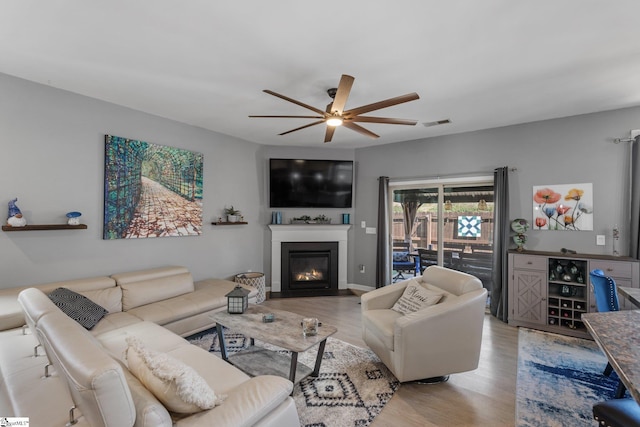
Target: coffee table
{"points": [[285, 332]]}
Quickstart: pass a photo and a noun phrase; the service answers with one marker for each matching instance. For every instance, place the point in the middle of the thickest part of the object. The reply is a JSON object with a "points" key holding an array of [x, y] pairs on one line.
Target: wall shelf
{"points": [[45, 227], [229, 223]]}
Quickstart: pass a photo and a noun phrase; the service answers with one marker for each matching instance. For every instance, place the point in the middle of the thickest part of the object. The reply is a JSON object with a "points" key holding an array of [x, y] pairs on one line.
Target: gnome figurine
{"points": [[15, 216]]}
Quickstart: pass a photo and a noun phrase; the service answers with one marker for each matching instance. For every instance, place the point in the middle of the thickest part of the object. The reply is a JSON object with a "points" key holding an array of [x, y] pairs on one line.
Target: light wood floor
{"points": [[484, 397]]}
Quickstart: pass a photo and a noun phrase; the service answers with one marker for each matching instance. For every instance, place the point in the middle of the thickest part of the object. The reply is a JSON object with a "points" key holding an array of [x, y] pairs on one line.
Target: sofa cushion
{"points": [[113, 321], [206, 297], [414, 298], [109, 298], [175, 384], [157, 284], [78, 307], [152, 336]]}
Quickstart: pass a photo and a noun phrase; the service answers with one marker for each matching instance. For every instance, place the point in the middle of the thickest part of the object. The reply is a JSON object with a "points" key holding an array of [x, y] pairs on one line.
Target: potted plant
{"points": [[233, 214]]}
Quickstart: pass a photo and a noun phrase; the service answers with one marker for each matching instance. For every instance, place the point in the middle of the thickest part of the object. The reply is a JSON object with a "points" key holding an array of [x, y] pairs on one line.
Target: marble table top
{"points": [[618, 335], [285, 331], [632, 294]]}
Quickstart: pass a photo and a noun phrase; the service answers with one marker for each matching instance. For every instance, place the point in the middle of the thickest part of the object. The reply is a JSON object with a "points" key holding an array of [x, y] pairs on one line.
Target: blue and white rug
{"points": [[559, 380], [352, 388]]}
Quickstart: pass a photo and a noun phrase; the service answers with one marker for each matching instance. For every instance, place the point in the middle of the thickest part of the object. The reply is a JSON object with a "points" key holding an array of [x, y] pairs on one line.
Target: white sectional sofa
{"points": [[55, 364]]}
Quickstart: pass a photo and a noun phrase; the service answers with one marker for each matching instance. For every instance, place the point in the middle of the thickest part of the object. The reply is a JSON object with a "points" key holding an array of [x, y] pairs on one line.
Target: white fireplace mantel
{"points": [[308, 233]]}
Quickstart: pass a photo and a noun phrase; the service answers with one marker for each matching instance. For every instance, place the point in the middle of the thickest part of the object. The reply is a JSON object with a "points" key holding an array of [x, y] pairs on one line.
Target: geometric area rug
{"points": [[559, 380], [352, 388]]}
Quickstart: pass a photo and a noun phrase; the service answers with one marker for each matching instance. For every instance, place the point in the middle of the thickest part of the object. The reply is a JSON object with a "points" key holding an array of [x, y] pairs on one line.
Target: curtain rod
{"points": [[446, 176]]}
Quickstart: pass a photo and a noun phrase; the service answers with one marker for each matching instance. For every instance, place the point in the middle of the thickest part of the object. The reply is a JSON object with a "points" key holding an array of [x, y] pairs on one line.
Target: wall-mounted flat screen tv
{"points": [[298, 183]]}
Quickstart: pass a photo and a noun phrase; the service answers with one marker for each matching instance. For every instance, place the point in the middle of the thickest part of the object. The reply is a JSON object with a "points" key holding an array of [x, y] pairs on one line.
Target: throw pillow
{"points": [[415, 298], [176, 385], [78, 307]]}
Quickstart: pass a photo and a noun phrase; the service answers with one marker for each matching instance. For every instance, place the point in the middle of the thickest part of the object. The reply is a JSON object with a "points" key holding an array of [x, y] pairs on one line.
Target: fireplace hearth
{"points": [[309, 269]]}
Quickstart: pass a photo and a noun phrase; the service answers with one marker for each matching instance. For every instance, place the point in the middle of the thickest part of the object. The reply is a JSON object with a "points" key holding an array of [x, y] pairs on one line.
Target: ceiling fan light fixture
{"points": [[335, 120]]}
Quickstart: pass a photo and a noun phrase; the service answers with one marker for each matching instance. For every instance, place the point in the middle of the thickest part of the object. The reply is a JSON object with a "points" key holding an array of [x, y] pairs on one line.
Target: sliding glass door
{"points": [[449, 224]]}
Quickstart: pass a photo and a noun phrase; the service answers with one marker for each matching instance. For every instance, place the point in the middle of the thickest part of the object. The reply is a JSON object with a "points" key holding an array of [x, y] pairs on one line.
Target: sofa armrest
{"points": [[382, 298]]}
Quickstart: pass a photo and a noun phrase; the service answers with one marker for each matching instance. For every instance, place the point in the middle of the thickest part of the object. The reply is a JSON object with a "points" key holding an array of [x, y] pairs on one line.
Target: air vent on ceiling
{"points": [[437, 122]]}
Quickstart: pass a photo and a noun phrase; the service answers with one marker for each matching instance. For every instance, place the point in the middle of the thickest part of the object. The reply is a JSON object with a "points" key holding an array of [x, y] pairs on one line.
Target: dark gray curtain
{"points": [[634, 176], [499, 292], [383, 267]]}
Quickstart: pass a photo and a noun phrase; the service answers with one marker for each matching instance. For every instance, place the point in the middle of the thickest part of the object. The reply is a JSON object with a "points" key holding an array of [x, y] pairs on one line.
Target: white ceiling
{"points": [[481, 64]]}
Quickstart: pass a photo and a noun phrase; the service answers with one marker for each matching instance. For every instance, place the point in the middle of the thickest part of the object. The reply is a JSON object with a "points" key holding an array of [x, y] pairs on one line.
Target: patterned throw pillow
{"points": [[78, 307], [415, 298]]}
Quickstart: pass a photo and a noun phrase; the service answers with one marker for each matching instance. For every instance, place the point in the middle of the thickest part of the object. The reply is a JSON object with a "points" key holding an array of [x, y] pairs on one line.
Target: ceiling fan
{"points": [[335, 114]]}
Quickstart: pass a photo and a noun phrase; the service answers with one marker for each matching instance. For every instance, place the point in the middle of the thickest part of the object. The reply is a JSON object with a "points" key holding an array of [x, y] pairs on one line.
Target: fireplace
{"points": [[309, 269], [304, 233]]}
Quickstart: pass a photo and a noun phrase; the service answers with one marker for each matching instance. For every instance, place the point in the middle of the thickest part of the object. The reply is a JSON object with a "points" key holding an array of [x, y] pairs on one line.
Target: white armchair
{"points": [[435, 341]]}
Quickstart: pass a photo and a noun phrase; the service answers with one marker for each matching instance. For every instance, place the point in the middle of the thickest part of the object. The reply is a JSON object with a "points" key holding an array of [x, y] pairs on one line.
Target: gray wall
{"points": [[52, 160], [53, 154], [570, 150]]}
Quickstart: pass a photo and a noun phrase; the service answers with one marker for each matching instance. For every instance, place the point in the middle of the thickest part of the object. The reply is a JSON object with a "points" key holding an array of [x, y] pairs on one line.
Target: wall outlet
{"points": [[370, 230], [363, 224], [600, 240], [361, 268]]}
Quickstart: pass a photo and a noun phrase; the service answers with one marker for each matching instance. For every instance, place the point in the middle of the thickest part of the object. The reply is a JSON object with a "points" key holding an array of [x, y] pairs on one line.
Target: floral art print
{"points": [[567, 207]]}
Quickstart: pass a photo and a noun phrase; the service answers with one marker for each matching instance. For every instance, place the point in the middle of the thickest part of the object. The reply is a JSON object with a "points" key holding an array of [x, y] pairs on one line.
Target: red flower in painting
{"points": [[541, 222], [546, 195], [562, 209]]}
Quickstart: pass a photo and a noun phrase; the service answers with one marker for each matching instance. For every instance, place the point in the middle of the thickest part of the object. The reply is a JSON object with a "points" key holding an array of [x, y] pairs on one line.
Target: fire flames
{"points": [[309, 275]]}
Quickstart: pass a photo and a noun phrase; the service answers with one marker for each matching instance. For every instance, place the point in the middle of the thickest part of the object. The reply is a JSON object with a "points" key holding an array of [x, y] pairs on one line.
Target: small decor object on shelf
{"points": [[233, 214], [15, 218], [616, 240], [346, 218], [520, 226], [237, 300], [73, 218]]}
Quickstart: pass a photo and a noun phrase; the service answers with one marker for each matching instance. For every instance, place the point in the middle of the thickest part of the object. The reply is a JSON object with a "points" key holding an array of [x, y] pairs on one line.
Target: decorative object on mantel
{"points": [[276, 217], [233, 215], [520, 226], [575, 214], [73, 218], [306, 219], [15, 218], [616, 240]]}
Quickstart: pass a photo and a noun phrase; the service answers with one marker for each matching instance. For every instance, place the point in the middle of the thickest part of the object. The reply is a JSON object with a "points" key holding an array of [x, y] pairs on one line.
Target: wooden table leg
{"points": [[223, 345], [316, 370]]}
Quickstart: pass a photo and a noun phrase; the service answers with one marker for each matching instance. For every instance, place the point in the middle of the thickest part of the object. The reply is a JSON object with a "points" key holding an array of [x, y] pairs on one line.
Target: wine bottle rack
{"points": [[568, 293]]}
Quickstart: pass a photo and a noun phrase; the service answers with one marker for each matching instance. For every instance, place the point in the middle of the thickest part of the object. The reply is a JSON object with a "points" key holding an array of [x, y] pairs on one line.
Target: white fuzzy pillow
{"points": [[414, 298], [176, 385]]}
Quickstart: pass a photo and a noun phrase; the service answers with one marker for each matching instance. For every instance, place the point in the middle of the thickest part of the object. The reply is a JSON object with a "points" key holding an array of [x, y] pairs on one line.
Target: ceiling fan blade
{"points": [[291, 117], [360, 129], [344, 88], [302, 104], [302, 127], [382, 104], [385, 120], [329, 133]]}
